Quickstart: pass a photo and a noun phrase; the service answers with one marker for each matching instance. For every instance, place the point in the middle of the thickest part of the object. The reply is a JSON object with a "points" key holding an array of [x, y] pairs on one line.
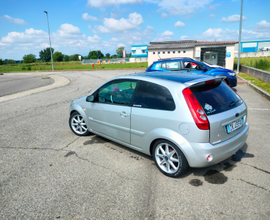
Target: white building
{"points": [[215, 52], [139, 53]]}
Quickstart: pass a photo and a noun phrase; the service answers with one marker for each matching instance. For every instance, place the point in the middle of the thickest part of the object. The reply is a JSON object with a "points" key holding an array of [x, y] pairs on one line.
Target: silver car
{"points": [[182, 120]]}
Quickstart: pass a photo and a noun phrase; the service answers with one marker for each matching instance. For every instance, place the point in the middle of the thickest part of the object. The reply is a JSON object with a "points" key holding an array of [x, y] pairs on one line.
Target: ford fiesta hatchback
{"points": [[182, 120]]}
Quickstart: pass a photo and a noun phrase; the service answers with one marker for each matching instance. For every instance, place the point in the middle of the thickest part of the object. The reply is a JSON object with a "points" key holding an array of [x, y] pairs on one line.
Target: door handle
{"points": [[124, 114]]}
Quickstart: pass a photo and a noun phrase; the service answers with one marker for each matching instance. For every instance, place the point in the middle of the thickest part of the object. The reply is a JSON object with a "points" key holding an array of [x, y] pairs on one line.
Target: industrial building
{"points": [[214, 52]]}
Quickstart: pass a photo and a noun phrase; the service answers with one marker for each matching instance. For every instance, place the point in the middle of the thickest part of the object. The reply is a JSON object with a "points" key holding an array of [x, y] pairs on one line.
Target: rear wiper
{"points": [[234, 103]]}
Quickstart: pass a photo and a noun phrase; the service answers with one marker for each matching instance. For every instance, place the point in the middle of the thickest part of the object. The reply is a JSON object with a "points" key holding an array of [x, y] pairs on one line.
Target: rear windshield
{"points": [[216, 98]]}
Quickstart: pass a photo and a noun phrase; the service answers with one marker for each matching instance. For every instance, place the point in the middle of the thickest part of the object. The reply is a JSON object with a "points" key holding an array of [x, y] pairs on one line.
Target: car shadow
{"points": [[216, 172]]}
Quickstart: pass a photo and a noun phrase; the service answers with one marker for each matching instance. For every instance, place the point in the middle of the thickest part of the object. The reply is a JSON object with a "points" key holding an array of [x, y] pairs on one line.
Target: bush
{"points": [[262, 64], [10, 62], [58, 56], [2, 62], [30, 58]]}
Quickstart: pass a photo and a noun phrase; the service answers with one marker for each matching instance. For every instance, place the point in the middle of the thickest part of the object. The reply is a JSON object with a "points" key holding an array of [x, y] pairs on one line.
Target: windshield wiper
{"points": [[234, 103]]}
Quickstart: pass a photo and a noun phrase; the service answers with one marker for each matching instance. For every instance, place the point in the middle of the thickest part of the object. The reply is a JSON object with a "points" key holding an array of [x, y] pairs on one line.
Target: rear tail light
{"points": [[196, 110]]}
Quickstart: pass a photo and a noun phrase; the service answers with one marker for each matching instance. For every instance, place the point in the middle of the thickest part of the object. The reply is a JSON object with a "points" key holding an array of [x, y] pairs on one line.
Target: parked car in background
{"points": [[193, 66], [181, 119]]}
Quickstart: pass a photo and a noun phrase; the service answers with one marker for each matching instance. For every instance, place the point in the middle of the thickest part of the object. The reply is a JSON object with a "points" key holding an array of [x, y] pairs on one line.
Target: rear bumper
{"points": [[196, 153]]}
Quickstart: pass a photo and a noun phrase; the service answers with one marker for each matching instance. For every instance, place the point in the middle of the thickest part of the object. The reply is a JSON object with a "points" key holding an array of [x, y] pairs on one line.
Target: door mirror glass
{"points": [[90, 98]]}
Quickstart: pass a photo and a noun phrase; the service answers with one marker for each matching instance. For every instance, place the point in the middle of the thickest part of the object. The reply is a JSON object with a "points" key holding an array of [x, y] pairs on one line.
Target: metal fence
{"points": [[105, 61]]}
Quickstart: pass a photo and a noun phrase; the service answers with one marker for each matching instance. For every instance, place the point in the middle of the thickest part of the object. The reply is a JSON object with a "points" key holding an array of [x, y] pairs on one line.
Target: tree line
{"points": [[45, 56]]}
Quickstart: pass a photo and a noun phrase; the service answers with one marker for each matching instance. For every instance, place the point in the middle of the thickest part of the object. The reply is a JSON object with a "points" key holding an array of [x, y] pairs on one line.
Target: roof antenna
{"points": [[159, 56]]}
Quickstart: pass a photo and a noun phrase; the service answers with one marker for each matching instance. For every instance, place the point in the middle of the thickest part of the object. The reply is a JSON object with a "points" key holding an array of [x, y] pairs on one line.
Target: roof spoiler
{"points": [[205, 81]]}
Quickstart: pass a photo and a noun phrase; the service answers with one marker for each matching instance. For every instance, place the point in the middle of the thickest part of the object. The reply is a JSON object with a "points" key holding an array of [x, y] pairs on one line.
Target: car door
{"points": [[109, 114], [151, 110]]}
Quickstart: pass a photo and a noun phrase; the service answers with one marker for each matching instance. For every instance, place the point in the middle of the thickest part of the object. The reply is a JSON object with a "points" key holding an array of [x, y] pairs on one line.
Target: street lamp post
{"points": [[239, 42], [49, 39]]}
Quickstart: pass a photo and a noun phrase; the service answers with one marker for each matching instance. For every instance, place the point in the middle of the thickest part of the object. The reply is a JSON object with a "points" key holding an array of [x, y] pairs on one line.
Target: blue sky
{"points": [[79, 26]]}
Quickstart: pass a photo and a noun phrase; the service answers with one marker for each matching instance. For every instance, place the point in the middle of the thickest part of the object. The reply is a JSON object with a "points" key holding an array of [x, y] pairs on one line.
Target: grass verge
{"points": [[262, 63], [261, 84], [68, 66]]}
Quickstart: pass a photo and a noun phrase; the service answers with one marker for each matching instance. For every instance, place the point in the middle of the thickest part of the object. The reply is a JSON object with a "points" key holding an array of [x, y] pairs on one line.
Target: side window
{"points": [[193, 65], [173, 65], [117, 92], [153, 96]]}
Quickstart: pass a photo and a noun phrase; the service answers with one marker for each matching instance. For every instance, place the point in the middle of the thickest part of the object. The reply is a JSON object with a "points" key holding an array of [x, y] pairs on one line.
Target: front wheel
{"points": [[169, 159], [78, 125]]}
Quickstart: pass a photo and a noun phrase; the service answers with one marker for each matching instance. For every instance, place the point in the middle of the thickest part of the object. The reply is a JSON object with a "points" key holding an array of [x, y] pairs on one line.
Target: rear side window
{"points": [[153, 96], [216, 98], [171, 65]]}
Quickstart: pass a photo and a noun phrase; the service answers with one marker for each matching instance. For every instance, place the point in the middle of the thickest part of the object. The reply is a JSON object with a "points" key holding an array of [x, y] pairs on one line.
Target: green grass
{"points": [[262, 63], [73, 65], [261, 84]]}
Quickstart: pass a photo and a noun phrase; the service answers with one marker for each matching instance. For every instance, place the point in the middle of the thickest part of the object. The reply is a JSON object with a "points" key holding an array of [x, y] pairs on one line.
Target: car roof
{"points": [[175, 58], [176, 76]]}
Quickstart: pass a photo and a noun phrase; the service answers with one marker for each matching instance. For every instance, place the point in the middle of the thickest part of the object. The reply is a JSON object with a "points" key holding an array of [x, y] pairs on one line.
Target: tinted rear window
{"points": [[153, 96], [216, 98]]}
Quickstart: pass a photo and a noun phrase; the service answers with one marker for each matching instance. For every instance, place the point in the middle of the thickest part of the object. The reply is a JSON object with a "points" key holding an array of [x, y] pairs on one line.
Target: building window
{"points": [[184, 51], [163, 52], [154, 52], [179, 51], [173, 51], [158, 52], [168, 52]]}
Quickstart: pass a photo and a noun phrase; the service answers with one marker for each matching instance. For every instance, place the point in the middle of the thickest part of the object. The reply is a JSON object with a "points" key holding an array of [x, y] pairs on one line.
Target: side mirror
{"points": [[205, 69], [90, 98]]}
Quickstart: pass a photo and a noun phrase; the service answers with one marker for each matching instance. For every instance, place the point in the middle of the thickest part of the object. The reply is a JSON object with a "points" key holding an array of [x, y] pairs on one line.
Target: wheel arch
{"points": [[172, 137]]}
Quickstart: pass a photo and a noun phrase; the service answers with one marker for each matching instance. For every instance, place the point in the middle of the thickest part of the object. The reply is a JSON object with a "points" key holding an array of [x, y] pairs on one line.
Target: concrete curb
{"points": [[59, 81], [256, 88]]}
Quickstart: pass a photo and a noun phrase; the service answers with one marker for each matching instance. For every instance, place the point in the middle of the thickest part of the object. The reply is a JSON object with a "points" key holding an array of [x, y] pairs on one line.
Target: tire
{"points": [[169, 158], [78, 125]]}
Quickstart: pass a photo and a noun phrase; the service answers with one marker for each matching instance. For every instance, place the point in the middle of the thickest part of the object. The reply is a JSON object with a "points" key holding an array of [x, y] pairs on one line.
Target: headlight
{"points": [[232, 73]]}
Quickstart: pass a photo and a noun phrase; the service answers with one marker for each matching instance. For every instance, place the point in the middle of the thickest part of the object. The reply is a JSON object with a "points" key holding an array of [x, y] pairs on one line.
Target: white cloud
{"points": [[112, 25], [65, 39], [164, 15], [213, 7], [219, 34], [88, 17], [15, 20], [179, 24], [89, 27], [114, 39], [94, 39], [184, 37], [165, 36], [69, 31], [29, 36], [183, 7], [104, 3], [262, 26], [121, 45], [233, 18], [212, 16]]}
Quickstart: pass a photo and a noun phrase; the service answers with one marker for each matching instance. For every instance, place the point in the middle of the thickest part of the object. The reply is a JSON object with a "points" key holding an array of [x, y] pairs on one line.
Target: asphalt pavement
{"points": [[47, 172], [10, 84]]}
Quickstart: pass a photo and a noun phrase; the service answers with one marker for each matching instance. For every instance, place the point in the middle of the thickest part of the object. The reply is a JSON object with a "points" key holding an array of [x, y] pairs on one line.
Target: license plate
{"points": [[235, 125]]}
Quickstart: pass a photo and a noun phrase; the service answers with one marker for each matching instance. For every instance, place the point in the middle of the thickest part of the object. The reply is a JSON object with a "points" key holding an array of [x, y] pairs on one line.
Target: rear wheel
{"points": [[169, 159], [78, 125]]}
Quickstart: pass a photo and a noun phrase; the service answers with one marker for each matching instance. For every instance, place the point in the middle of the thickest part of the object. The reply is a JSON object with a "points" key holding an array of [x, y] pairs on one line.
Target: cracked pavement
{"points": [[47, 172]]}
